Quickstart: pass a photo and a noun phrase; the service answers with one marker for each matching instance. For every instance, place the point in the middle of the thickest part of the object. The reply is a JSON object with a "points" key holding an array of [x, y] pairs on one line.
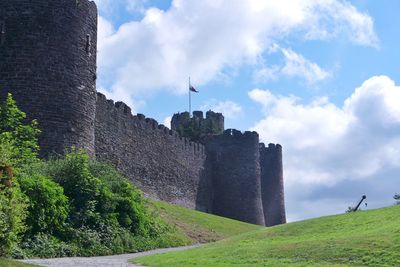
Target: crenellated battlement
{"points": [[270, 148], [197, 127], [150, 125], [233, 133]]}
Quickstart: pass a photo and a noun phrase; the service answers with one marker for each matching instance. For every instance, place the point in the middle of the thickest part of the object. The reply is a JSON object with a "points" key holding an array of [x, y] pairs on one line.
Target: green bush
{"points": [[48, 206], [121, 198], [107, 213], [92, 242], [80, 186], [18, 146], [22, 137], [12, 213], [98, 194], [47, 246]]}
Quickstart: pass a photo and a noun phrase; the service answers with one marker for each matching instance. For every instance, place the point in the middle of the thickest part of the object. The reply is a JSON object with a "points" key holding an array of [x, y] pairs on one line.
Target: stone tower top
{"points": [[197, 127]]}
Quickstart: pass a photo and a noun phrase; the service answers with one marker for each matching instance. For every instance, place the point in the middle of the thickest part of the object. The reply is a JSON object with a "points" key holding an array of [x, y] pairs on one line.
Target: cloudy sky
{"points": [[320, 77]]}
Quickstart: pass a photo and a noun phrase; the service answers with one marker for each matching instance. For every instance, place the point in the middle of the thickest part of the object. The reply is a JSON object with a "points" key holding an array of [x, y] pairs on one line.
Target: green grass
{"points": [[12, 263], [367, 238], [200, 227]]}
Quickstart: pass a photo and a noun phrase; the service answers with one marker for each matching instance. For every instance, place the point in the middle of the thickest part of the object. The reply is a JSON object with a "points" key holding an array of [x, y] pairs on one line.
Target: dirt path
{"points": [[103, 261]]}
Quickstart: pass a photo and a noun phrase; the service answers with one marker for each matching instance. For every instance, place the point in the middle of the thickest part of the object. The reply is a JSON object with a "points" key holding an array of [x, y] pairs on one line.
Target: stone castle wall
{"points": [[48, 62], [272, 184], [160, 162], [235, 163]]}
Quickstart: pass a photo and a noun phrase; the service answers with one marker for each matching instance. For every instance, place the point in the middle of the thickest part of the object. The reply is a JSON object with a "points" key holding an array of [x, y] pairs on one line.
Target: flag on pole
{"points": [[191, 88]]}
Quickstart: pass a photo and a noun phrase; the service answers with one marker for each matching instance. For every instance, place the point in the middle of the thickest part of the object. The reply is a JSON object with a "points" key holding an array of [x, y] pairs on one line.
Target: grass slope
{"points": [[367, 238], [12, 263], [200, 227]]}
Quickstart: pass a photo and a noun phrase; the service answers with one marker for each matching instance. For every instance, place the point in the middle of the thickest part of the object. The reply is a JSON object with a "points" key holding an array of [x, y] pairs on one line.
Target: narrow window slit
{"points": [[2, 32], [88, 45]]}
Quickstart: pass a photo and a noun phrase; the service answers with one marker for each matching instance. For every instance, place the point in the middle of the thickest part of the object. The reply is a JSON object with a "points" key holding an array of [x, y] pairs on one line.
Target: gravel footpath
{"points": [[103, 261]]}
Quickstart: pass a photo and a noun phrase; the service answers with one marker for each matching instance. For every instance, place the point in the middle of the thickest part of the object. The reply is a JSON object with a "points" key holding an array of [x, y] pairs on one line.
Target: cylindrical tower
{"points": [[48, 62], [272, 184], [234, 161]]}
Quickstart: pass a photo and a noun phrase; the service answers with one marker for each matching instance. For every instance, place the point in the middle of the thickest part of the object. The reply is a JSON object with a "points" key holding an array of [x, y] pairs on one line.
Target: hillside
{"points": [[12, 263], [199, 227], [367, 238]]}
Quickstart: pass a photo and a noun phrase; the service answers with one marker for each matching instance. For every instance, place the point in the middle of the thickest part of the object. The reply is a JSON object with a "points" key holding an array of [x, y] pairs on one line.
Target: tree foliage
{"points": [[48, 206], [98, 194], [20, 138], [196, 131], [12, 204]]}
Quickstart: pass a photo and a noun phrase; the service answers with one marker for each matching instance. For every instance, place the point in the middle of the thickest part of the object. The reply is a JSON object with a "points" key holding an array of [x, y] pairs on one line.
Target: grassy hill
{"points": [[12, 263], [367, 238], [199, 227]]}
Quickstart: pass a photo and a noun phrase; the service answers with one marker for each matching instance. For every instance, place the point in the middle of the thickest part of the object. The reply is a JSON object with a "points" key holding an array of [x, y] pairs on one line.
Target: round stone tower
{"points": [[48, 62], [272, 188], [233, 158]]}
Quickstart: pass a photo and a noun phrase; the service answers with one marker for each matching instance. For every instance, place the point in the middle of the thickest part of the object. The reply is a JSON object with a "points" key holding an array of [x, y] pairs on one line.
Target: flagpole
{"points": [[190, 100]]}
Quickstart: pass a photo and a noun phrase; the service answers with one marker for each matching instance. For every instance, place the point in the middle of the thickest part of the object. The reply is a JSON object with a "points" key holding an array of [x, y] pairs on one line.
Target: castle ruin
{"points": [[48, 62]]}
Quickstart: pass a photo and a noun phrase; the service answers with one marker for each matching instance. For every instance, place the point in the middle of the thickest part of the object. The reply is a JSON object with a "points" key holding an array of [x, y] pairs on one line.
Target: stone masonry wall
{"points": [[164, 165], [235, 174], [272, 184], [48, 63]]}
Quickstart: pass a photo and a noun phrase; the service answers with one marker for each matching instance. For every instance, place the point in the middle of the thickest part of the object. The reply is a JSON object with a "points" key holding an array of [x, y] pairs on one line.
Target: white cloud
{"points": [[326, 145], [205, 38], [230, 109], [267, 73], [295, 65], [136, 5], [167, 121], [344, 18], [105, 30]]}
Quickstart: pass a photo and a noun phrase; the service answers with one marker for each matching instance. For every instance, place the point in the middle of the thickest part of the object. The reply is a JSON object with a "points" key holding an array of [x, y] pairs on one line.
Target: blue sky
{"points": [[319, 77]]}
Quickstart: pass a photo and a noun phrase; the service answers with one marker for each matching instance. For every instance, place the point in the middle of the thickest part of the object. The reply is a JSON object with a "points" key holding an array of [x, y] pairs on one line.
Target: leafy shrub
{"points": [[48, 206], [92, 242], [16, 133], [18, 146], [47, 246], [12, 212], [98, 194], [12, 216], [120, 197], [107, 213], [80, 186]]}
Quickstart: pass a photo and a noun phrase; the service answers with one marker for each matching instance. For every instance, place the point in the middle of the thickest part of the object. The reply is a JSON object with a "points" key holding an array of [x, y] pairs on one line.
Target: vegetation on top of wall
{"points": [[196, 131]]}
